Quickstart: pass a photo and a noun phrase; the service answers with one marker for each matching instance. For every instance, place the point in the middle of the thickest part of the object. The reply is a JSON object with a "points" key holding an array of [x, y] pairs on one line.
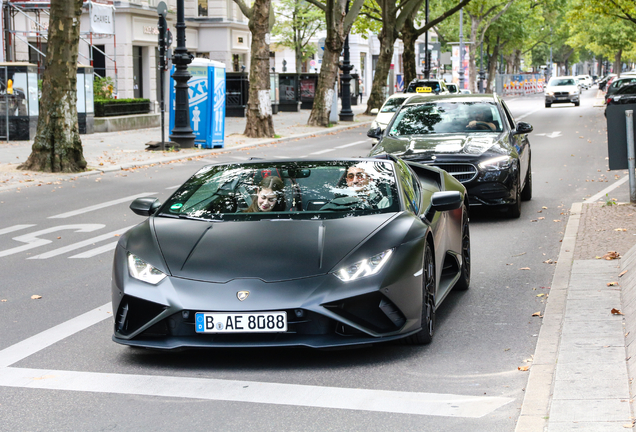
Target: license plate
{"points": [[249, 322], [562, 98]]}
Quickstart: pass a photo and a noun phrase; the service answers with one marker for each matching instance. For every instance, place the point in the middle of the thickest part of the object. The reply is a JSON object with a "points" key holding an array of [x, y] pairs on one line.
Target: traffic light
{"points": [[165, 36]]}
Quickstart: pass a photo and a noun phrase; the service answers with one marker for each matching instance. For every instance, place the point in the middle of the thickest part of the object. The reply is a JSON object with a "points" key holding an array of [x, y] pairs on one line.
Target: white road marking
{"points": [[32, 240], [100, 206], [322, 151], [15, 228], [417, 403], [40, 341], [430, 404], [607, 190], [554, 134], [352, 144], [81, 244], [94, 252], [527, 114]]}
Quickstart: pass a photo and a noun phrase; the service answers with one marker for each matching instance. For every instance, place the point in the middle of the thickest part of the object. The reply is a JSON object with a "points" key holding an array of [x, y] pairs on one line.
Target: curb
{"points": [[200, 153], [535, 407], [628, 305]]}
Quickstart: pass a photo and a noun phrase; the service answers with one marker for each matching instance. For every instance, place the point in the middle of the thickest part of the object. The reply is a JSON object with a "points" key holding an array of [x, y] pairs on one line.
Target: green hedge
{"points": [[119, 107]]}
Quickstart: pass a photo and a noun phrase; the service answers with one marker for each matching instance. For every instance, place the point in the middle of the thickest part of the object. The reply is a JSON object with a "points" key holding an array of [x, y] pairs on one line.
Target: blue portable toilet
{"points": [[206, 96]]}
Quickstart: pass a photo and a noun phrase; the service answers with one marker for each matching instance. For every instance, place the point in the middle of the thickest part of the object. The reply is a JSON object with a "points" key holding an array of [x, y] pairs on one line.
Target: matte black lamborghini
{"points": [[293, 253]]}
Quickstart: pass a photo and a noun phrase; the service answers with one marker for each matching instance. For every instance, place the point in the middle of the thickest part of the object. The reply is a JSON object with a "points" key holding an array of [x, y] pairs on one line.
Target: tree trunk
{"points": [[324, 95], [387, 39], [57, 146], [617, 63], [492, 67], [259, 108], [409, 37]]}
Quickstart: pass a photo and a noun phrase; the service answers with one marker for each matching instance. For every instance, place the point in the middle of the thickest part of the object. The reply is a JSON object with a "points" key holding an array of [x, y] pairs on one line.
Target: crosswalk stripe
{"points": [[81, 244], [94, 252]]}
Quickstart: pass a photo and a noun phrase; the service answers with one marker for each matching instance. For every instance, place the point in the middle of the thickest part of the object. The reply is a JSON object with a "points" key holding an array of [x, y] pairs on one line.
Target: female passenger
{"points": [[269, 196]]}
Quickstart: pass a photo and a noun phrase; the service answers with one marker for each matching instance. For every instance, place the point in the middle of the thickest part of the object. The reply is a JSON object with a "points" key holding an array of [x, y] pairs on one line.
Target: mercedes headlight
{"points": [[364, 268], [140, 269], [496, 164]]}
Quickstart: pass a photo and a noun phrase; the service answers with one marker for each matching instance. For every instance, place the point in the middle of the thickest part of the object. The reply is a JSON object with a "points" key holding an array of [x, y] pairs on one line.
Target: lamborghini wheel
{"points": [[464, 278], [425, 335]]}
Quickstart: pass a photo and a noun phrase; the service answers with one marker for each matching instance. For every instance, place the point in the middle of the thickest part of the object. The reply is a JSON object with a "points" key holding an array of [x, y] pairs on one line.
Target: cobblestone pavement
{"points": [[605, 228]]}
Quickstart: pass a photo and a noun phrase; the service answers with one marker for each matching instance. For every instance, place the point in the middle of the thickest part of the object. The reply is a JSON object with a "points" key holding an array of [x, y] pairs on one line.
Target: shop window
{"points": [[99, 60], [203, 8]]}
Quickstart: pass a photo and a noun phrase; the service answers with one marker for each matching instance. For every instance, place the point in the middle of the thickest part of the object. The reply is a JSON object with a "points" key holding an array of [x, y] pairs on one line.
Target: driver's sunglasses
{"points": [[359, 176]]}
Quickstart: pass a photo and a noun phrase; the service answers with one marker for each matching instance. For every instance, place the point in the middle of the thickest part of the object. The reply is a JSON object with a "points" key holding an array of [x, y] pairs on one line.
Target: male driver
{"points": [[483, 119], [359, 181]]}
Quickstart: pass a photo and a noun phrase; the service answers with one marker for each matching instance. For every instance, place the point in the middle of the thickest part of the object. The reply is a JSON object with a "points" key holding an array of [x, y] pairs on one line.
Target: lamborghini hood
{"points": [[270, 250]]}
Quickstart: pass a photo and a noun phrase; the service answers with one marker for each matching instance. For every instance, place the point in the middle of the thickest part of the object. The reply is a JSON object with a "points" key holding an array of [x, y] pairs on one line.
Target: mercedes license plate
{"points": [[249, 322]]}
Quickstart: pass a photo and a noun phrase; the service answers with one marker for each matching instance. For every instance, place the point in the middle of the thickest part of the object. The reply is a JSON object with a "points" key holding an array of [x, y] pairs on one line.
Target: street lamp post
{"points": [[182, 131], [482, 73], [427, 65], [345, 113], [461, 49]]}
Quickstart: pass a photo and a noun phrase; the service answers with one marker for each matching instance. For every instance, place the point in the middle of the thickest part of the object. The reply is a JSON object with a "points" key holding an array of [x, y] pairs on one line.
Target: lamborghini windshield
{"points": [[299, 190]]}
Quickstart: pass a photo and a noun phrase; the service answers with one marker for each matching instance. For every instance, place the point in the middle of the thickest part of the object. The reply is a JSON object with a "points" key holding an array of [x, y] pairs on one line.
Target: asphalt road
{"points": [[56, 242]]}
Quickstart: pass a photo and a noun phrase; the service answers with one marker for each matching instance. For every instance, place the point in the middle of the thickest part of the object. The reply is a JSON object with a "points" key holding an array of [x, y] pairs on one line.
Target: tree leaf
{"points": [[523, 368], [617, 312], [36, 297]]}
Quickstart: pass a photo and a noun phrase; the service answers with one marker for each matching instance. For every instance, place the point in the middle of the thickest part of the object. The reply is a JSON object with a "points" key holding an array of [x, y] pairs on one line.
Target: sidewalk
{"points": [[582, 370], [113, 151]]}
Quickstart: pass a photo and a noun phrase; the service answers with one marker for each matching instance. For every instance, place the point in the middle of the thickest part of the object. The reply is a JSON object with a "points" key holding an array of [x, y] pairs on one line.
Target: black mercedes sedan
{"points": [[317, 253], [473, 137]]}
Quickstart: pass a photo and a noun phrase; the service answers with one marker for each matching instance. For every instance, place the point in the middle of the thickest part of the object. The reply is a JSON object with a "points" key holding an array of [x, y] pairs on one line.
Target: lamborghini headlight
{"points": [[364, 268], [496, 164], [139, 269]]}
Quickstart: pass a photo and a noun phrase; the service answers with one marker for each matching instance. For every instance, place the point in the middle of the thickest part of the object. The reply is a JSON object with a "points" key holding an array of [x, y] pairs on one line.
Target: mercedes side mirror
{"points": [[374, 111], [523, 128], [375, 133], [145, 206]]}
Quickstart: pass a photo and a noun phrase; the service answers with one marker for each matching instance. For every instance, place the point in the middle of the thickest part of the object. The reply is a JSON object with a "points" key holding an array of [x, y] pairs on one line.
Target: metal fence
{"points": [[519, 85]]}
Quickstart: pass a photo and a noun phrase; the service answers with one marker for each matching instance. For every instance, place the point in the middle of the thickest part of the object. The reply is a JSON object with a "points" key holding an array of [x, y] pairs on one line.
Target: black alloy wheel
{"points": [[425, 335], [464, 275], [526, 193]]}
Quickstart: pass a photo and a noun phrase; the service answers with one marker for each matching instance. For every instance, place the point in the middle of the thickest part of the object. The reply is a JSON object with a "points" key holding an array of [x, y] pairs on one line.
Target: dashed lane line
{"points": [[100, 206], [323, 151], [352, 144], [527, 114]]}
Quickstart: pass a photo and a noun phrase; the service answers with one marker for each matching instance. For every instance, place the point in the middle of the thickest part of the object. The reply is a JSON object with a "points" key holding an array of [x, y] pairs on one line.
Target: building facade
{"points": [[216, 29]]}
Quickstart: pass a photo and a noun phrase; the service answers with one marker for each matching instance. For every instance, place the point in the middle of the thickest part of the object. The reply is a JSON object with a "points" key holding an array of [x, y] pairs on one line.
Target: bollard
{"points": [[631, 162]]}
